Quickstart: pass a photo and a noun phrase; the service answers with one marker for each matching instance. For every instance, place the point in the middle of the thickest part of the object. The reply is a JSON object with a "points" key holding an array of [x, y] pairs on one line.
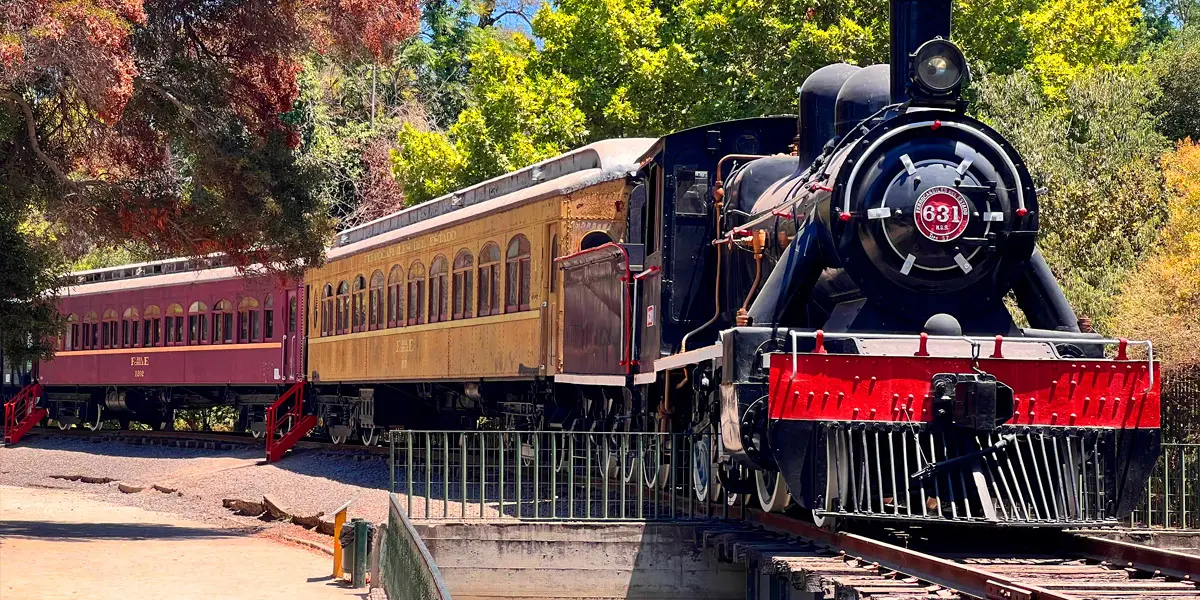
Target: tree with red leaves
{"points": [[162, 123]]}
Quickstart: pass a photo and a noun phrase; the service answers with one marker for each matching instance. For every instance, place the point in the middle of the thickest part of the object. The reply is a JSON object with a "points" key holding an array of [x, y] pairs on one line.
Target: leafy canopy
{"points": [[158, 124], [1161, 299], [1096, 154], [515, 118]]}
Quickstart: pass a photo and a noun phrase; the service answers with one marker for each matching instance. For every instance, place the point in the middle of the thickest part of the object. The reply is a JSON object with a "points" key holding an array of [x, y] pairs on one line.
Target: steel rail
{"points": [[947, 573], [1143, 558]]}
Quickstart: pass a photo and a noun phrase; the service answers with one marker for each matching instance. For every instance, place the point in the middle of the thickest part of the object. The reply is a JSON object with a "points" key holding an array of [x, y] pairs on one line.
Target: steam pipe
{"points": [[718, 206], [758, 242], [1040, 298]]}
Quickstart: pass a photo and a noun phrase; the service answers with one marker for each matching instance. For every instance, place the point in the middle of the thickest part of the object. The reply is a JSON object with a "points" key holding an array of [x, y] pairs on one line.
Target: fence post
{"points": [[339, 520], [359, 578]]}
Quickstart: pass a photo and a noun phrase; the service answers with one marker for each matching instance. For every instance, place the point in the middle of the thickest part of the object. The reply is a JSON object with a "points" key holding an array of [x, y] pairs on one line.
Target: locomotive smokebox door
{"points": [[972, 401]]}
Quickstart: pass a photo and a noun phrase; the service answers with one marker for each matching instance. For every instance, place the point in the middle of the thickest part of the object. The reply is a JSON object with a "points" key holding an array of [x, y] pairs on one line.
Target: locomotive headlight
{"points": [[938, 67]]}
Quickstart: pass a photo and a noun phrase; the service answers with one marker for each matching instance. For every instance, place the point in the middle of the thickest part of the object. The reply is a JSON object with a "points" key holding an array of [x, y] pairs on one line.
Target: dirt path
{"points": [[62, 544]]}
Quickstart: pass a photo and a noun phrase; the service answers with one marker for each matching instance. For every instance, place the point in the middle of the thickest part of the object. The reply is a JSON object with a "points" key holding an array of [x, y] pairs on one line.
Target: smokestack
{"points": [[914, 22]]}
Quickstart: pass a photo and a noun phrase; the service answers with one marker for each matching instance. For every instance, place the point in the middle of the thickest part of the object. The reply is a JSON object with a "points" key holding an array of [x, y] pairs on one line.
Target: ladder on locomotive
{"points": [[286, 422], [21, 413]]}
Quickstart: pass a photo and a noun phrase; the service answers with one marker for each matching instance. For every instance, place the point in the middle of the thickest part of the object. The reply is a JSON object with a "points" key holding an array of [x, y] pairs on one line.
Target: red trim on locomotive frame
{"points": [[1068, 393]]}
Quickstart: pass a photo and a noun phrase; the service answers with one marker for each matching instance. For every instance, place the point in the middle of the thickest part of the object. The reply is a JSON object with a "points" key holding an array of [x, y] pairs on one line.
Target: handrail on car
{"points": [[821, 336]]}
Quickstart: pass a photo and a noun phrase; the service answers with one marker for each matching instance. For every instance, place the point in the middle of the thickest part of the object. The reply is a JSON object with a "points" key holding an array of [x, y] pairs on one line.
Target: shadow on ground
{"points": [[82, 532], [107, 447]]}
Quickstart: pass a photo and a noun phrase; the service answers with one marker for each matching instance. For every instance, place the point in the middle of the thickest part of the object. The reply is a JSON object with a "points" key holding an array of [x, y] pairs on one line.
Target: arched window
{"points": [[594, 239], [375, 302], [151, 327], [464, 284], [517, 267], [416, 293], [108, 331], [359, 304], [439, 295], [129, 328], [342, 317], [269, 317], [222, 321], [489, 280], [174, 325], [327, 311], [71, 335], [91, 331], [197, 324], [248, 321], [395, 299]]}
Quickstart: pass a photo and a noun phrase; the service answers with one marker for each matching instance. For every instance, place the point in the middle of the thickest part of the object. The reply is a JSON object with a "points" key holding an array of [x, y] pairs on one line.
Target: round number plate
{"points": [[941, 213]]}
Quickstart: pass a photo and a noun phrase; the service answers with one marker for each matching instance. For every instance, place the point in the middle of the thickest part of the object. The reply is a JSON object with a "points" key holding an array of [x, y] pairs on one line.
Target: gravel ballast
{"points": [[308, 481]]}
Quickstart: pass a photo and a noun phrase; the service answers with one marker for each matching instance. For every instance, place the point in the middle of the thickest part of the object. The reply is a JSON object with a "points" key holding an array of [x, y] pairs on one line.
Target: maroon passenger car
{"points": [[143, 340]]}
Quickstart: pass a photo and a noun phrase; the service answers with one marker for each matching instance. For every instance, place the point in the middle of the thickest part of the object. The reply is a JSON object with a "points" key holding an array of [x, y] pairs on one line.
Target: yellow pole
{"points": [[339, 519]]}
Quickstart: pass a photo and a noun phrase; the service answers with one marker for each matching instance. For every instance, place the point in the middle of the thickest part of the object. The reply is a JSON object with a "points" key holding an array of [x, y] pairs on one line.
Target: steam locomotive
{"points": [[867, 365], [849, 310]]}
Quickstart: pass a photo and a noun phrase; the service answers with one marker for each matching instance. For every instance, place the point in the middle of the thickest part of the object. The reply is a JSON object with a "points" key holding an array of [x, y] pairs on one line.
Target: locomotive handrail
{"points": [[821, 335]]}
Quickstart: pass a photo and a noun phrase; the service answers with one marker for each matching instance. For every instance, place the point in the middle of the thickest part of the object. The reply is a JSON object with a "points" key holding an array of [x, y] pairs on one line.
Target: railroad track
{"points": [[901, 565], [880, 564], [200, 439]]}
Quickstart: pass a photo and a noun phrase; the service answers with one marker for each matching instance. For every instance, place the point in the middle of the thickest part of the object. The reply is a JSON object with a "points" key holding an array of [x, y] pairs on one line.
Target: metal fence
{"points": [[1181, 406], [1173, 492], [406, 568], [498, 475], [489, 475]]}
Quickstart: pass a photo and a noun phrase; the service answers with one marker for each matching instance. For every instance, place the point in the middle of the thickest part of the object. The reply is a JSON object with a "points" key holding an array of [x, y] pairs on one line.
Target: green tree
{"points": [[515, 117], [1096, 152], [1068, 38], [30, 266], [1176, 67], [158, 123]]}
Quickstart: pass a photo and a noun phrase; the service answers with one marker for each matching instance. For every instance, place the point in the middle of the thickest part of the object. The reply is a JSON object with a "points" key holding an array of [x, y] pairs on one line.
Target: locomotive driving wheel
{"points": [[773, 493], [837, 479], [705, 482], [702, 469], [655, 464]]}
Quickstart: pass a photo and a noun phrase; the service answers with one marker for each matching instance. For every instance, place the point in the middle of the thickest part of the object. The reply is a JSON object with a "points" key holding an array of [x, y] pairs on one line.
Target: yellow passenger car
{"points": [[455, 298]]}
